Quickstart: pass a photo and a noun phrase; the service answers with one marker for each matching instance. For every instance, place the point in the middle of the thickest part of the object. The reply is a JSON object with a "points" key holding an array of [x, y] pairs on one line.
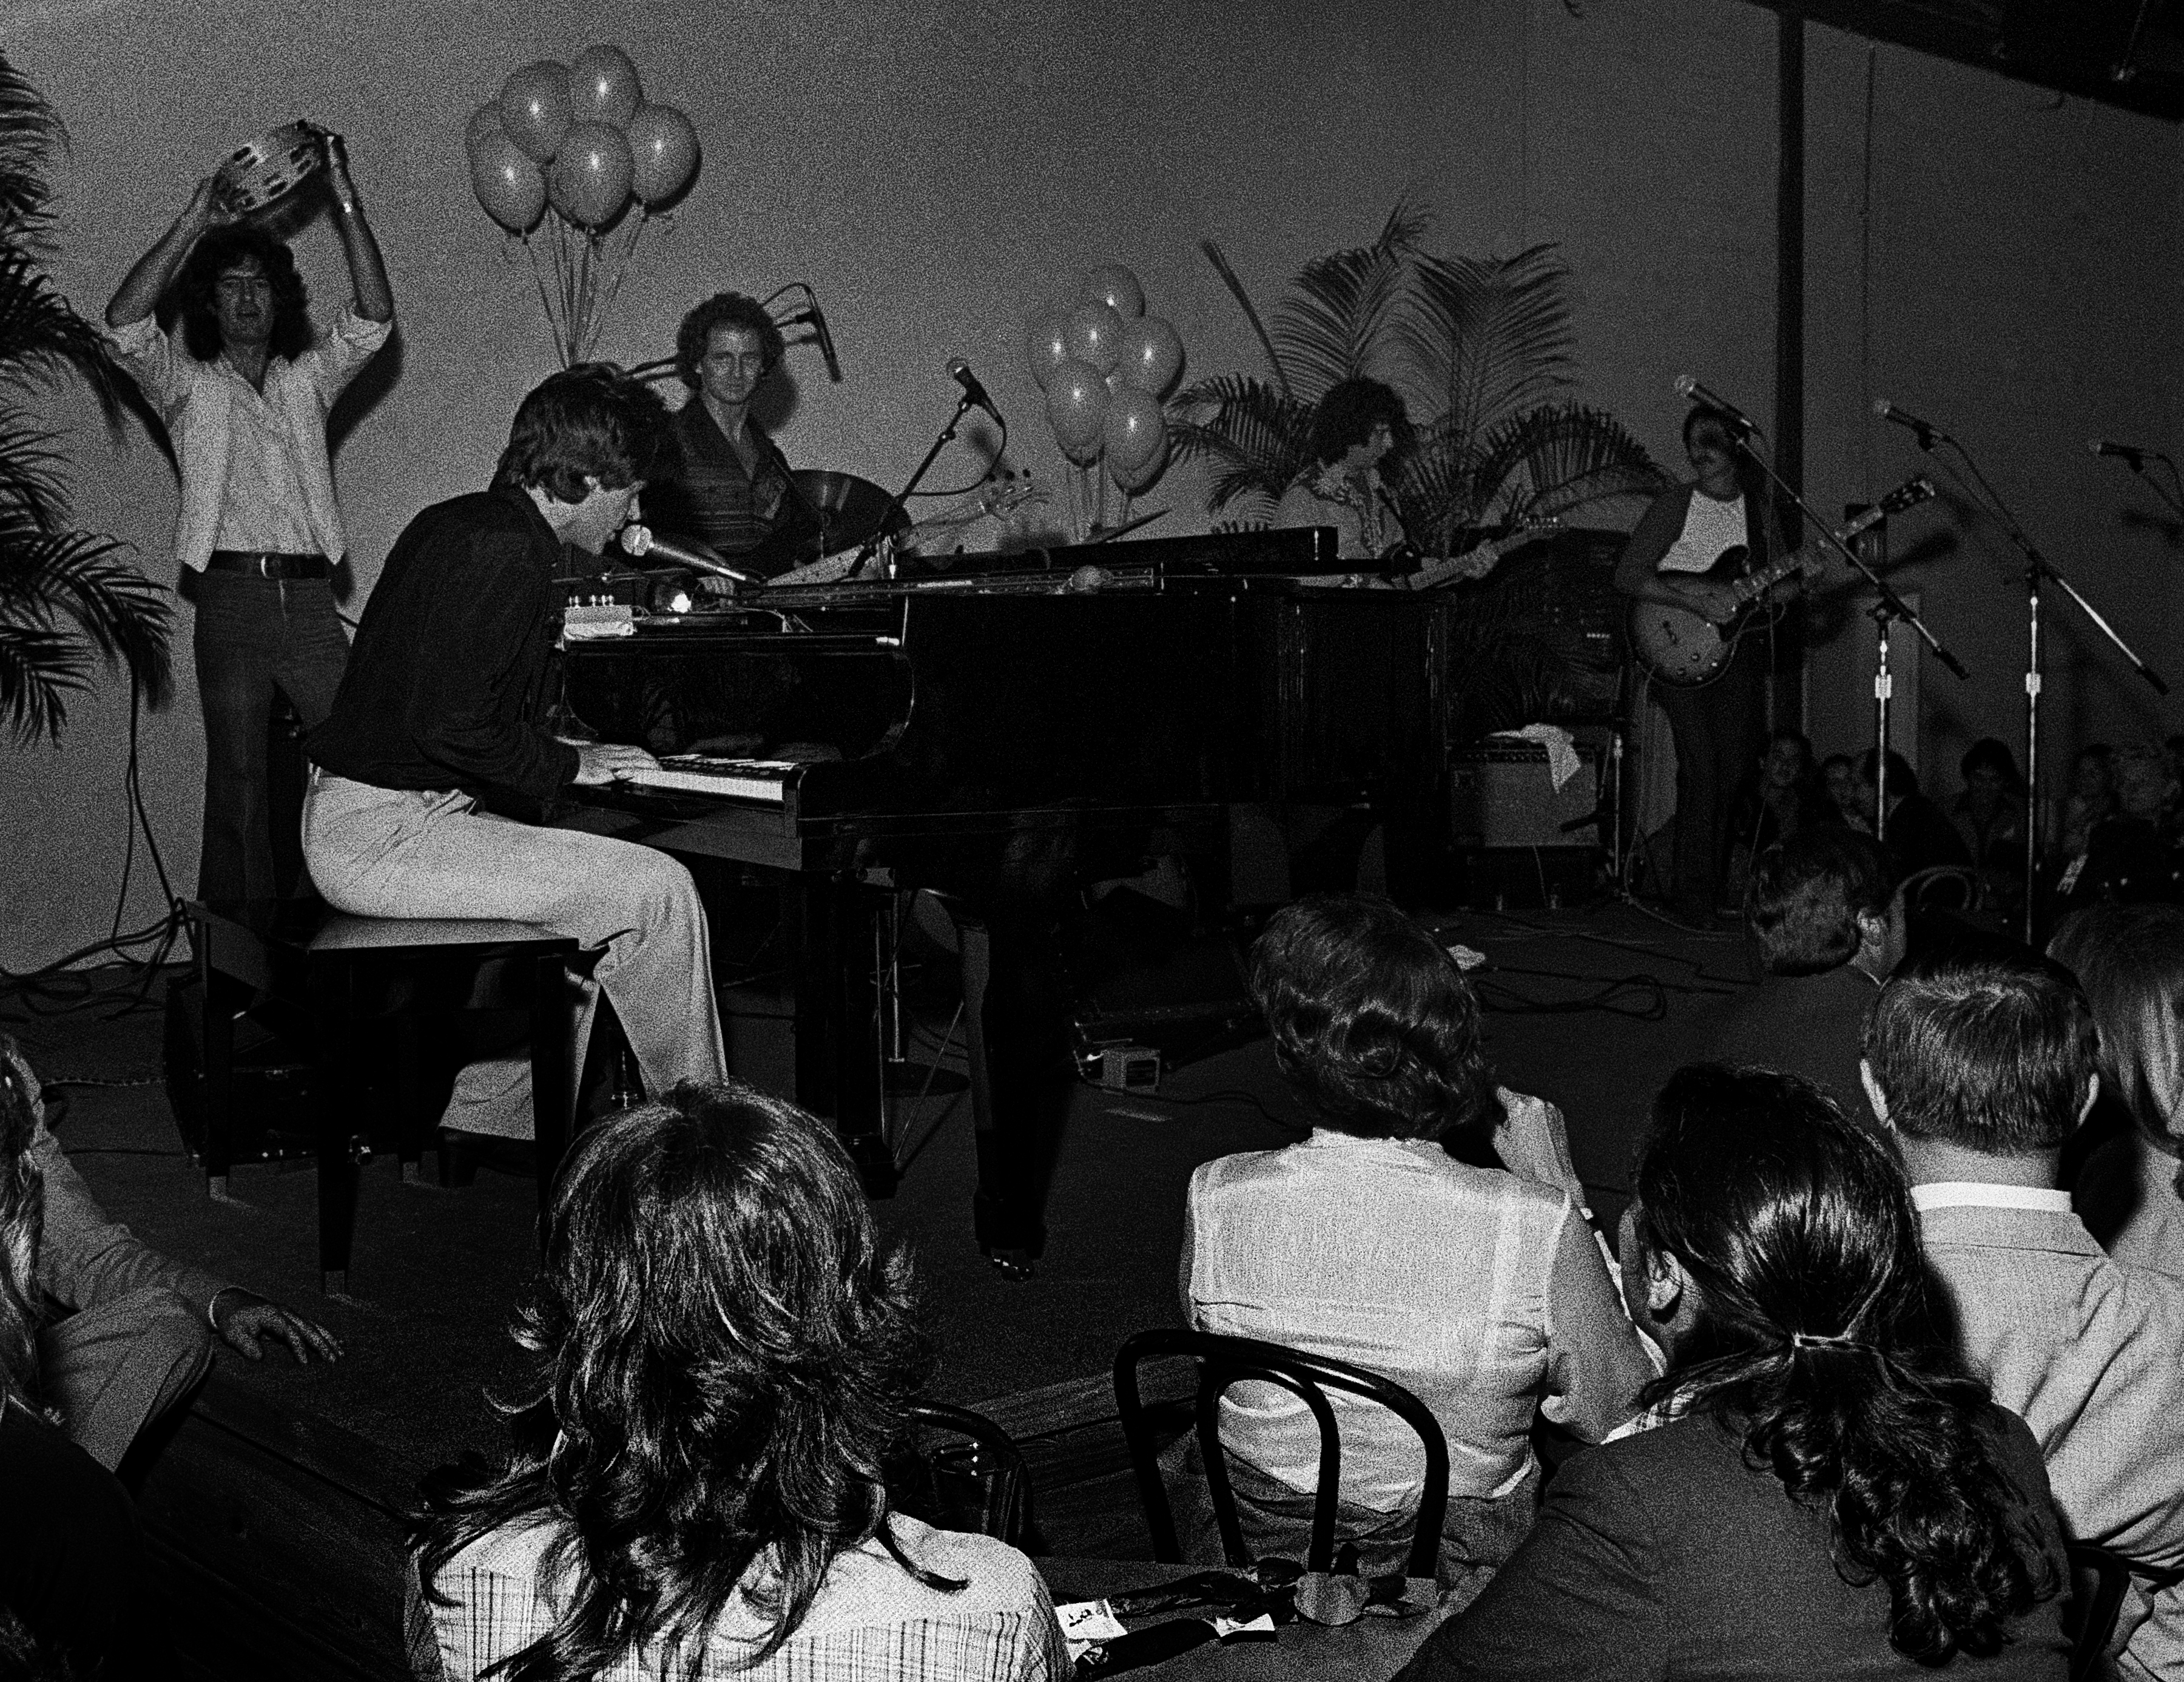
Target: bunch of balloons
{"points": [[1104, 366], [581, 139]]}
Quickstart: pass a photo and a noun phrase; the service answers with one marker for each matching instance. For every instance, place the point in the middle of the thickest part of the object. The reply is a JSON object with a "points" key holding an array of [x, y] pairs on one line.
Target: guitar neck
{"points": [[1754, 585], [1426, 577]]}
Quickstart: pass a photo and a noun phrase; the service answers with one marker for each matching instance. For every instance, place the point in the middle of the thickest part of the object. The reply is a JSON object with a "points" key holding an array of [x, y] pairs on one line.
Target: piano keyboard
{"points": [[765, 780]]}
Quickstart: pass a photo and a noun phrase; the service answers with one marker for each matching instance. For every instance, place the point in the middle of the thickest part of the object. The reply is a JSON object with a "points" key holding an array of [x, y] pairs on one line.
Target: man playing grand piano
{"points": [[436, 724]]}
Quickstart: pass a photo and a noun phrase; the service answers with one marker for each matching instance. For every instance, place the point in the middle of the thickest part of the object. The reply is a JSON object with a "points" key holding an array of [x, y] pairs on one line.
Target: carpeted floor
{"points": [[436, 1274]]}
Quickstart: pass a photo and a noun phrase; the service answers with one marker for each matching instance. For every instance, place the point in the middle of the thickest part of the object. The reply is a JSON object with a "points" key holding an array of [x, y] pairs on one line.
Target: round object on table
{"points": [[260, 174], [852, 507]]}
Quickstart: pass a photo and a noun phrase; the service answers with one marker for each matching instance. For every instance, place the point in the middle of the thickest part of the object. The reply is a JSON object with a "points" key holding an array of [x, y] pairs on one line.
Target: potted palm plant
{"points": [[1482, 351], [70, 601]]}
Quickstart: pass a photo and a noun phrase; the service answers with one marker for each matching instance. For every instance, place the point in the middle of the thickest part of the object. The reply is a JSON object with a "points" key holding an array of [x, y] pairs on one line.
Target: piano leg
{"points": [[1014, 1000], [838, 1055]]}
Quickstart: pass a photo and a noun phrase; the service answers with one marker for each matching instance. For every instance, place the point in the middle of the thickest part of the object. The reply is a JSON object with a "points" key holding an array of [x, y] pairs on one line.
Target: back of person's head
{"points": [[2129, 960], [196, 288], [591, 420], [22, 1224], [1902, 779], [1347, 414], [1987, 1052], [733, 309], [1807, 896], [1809, 1340], [726, 1353], [1371, 1020]]}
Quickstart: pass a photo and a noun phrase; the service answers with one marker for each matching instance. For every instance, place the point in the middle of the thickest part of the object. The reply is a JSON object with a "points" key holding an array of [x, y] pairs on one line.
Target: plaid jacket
{"points": [[871, 1621]]}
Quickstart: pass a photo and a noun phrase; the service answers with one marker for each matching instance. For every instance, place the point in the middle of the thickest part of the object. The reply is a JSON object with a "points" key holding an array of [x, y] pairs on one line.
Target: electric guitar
{"points": [[1477, 563], [1682, 646]]}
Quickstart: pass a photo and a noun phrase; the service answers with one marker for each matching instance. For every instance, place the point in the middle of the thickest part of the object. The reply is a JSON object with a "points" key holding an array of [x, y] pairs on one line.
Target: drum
{"points": [[259, 175]]}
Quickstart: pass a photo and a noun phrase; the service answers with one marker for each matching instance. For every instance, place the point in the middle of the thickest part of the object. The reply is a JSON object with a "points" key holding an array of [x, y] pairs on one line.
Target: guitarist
{"points": [[1688, 551]]}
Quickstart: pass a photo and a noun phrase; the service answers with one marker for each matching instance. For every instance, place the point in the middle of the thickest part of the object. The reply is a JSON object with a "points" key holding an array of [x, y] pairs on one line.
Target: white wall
{"points": [[938, 170]]}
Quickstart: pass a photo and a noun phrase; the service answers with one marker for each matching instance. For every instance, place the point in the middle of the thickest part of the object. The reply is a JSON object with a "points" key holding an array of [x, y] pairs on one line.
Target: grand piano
{"points": [[1002, 737]]}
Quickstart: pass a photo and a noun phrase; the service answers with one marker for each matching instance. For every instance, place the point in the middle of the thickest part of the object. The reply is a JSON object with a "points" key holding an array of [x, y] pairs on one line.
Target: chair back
{"points": [[992, 1460], [2099, 1580], [1225, 1360]]}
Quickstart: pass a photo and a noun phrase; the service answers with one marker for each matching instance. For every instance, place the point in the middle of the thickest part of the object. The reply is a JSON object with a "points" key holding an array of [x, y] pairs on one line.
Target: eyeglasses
{"points": [[235, 286]]}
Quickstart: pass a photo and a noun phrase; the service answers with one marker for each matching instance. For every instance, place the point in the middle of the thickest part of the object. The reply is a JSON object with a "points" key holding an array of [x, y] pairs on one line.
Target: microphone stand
{"points": [[897, 502], [2038, 570], [1886, 609]]}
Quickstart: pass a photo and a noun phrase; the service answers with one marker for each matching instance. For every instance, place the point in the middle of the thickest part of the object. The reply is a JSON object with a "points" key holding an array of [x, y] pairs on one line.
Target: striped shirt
{"points": [[871, 1621]]}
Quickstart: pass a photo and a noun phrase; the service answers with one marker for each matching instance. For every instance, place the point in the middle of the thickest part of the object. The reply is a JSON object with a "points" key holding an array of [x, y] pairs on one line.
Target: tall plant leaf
{"points": [[68, 599], [1219, 259]]}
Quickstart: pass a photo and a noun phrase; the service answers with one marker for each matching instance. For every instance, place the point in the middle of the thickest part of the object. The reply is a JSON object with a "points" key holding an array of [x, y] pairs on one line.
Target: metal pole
{"points": [[2032, 687], [1884, 688]]}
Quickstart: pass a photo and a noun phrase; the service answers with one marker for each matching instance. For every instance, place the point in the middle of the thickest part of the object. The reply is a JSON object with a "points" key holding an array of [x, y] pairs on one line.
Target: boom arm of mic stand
{"points": [[1894, 603], [901, 497]]}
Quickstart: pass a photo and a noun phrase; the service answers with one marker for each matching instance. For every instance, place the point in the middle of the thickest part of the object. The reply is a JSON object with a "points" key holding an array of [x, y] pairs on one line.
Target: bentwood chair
{"points": [[982, 1453], [2099, 1580], [1226, 1361]]}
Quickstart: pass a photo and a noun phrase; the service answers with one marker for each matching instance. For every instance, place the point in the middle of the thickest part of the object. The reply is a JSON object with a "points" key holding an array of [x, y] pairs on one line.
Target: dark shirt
{"points": [[1667, 1554], [714, 499], [444, 680], [1921, 835], [1808, 1025], [72, 1564]]}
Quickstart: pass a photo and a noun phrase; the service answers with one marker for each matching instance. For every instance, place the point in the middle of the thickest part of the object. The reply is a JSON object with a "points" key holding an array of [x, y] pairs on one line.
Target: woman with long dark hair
{"points": [[724, 1355], [1814, 1490]]}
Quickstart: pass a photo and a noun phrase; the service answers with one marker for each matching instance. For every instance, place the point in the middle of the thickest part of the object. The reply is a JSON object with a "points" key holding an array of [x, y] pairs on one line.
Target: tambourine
{"points": [[257, 176]]}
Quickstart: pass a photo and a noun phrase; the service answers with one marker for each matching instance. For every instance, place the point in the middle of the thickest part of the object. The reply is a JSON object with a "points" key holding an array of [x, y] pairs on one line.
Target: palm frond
{"points": [[42, 338], [1558, 457], [1257, 434], [29, 134], [1329, 327], [1219, 259], [39, 667], [112, 610], [1492, 336], [30, 483]]}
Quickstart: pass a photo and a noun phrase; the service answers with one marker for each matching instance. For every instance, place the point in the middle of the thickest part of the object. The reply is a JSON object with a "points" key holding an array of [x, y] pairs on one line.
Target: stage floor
{"points": [[1590, 1008]]}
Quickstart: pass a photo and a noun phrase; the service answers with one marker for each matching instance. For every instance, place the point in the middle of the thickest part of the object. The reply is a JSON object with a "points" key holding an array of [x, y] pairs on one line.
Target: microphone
{"points": [[638, 541], [2131, 453], [973, 392], [817, 318], [1926, 429], [1689, 387]]}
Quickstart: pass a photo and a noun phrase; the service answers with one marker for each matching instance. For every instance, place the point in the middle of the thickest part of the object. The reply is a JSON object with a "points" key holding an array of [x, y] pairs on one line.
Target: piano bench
{"points": [[355, 985]]}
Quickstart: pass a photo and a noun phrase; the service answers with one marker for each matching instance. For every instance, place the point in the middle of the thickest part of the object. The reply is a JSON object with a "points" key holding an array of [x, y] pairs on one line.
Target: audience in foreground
{"points": [[1984, 1066], [1829, 930], [1482, 1291], [2129, 960], [724, 1356], [72, 1566], [1814, 1492]]}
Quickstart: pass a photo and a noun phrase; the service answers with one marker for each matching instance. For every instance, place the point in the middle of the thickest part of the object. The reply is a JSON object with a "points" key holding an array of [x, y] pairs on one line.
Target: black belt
{"points": [[270, 563]]}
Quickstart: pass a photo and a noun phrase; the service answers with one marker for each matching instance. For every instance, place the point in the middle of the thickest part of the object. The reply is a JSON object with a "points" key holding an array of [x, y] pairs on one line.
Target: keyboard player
{"points": [[434, 735]]}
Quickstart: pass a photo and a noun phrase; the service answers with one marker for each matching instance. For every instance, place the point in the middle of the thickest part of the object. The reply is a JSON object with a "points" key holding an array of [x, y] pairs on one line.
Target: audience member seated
{"points": [[1983, 1067], [1828, 931], [1990, 816], [1783, 797], [128, 1333], [1839, 776], [2093, 797], [2129, 960], [72, 1568], [1918, 835], [1481, 1290], [2119, 855], [1812, 1491], [723, 1355]]}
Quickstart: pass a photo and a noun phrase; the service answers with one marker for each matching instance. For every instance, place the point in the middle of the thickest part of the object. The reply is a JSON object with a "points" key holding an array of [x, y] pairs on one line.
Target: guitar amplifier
{"points": [[1500, 794]]}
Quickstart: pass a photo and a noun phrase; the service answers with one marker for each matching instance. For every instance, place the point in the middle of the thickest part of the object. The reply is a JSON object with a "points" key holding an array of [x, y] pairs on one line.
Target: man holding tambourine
{"points": [[244, 389]]}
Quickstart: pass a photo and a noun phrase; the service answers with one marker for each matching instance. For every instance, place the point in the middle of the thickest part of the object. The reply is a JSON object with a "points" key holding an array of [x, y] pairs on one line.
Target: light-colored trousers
{"points": [[409, 853]]}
